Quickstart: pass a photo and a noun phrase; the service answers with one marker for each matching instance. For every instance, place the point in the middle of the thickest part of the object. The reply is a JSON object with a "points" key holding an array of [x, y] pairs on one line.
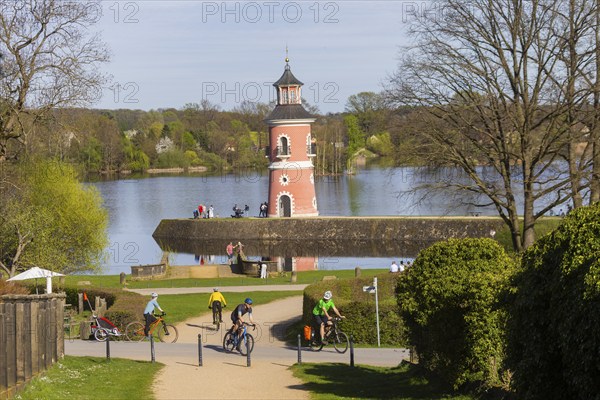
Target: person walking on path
{"points": [[215, 302], [149, 312]]}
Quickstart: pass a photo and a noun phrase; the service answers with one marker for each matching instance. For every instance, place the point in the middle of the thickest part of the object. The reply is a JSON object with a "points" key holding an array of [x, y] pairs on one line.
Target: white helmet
{"points": [[154, 295], [327, 295], [215, 289]]}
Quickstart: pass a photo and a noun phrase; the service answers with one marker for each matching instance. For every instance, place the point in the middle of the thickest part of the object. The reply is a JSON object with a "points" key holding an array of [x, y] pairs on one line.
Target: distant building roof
{"points": [[289, 111], [287, 78]]}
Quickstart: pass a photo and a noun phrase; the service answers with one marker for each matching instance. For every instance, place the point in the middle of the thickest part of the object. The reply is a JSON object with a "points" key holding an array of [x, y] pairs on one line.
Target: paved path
{"points": [[226, 375]]}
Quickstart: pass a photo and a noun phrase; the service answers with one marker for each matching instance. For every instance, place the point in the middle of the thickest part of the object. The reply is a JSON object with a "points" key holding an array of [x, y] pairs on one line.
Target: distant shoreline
{"points": [[177, 170]]}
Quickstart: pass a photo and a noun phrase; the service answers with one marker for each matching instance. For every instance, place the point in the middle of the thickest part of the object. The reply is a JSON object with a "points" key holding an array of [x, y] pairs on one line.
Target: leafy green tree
{"points": [[192, 158], [450, 300], [370, 110], [188, 142], [173, 158], [554, 340], [135, 158], [356, 137], [380, 144], [50, 220], [90, 155]]}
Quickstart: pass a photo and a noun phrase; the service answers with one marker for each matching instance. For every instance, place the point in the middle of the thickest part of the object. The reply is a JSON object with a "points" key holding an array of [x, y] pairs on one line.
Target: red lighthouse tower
{"points": [[291, 170]]}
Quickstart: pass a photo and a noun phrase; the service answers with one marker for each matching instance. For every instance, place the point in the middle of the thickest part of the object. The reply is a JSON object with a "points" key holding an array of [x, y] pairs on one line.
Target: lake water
{"points": [[137, 204]]}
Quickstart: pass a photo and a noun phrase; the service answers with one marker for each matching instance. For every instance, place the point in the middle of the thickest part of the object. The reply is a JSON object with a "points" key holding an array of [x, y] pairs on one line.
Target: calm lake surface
{"points": [[137, 204]]}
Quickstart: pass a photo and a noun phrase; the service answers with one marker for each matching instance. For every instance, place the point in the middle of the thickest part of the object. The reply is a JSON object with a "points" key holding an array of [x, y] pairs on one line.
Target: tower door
{"points": [[285, 206]]}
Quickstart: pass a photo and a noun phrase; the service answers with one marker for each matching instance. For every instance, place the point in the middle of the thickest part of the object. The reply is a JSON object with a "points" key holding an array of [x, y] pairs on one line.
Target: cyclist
{"points": [[215, 302], [321, 313], [238, 314], [149, 312]]}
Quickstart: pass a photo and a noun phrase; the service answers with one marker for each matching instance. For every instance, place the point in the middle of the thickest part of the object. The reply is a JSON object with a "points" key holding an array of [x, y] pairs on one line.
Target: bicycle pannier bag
{"points": [[307, 332]]}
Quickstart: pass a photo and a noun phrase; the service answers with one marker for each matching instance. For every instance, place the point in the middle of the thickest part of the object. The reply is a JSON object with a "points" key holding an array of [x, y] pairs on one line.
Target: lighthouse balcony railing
{"points": [[283, 152], [311, 150]]}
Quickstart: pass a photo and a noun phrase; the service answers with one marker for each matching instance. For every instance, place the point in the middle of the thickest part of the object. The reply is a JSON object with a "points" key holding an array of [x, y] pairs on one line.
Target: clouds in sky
{"points": [[169, 53]]}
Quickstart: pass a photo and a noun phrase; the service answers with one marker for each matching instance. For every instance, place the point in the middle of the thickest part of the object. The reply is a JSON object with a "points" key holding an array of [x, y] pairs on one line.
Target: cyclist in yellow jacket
{"points": [[216, 302]]}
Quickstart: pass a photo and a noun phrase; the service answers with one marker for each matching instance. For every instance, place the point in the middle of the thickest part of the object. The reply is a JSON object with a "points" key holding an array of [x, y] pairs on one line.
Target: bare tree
{"points": [[487, 78], [49, 60]]}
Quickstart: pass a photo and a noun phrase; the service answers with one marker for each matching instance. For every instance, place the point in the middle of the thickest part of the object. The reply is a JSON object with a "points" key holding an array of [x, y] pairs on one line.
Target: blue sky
{"points": [[169, 53]]}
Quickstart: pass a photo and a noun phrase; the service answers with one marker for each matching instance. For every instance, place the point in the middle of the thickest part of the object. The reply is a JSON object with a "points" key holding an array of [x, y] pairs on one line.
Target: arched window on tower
{"points": [[283, 150]]}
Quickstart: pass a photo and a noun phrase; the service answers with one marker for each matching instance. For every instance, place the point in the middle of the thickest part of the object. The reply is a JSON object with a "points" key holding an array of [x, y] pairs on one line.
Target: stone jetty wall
{"points": [[425, 229]]}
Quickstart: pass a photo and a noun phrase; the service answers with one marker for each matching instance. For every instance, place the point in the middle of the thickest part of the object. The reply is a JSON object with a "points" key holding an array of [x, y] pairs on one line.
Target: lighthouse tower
{"points": [[291, 151]]}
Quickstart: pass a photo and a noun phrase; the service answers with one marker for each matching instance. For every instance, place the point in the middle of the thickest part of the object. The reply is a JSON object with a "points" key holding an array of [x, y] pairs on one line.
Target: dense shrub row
{"points": [[123, 307], [554, 335], [359, 308], [479, 319], [449, 300]]}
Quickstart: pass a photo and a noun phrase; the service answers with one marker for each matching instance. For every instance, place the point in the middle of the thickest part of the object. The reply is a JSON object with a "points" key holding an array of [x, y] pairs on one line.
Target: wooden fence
{"points": [[31, 338]]}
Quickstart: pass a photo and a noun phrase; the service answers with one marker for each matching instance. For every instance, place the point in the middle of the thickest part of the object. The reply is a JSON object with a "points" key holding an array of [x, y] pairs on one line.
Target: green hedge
{"points": [[450, 303], [553, 330], [359, 308], [122, 307], [73, 296]]}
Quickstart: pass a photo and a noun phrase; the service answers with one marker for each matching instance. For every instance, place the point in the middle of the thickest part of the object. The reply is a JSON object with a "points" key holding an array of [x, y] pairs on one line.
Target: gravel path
{"points": [[226, 376]]}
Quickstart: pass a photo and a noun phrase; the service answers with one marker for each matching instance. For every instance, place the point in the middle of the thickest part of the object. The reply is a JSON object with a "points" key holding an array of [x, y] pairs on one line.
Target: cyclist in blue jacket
{"points": [[237, 315]]}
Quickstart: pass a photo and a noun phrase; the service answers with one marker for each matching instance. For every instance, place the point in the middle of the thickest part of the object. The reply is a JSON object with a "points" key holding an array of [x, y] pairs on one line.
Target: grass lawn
{"points": [[340, 381], [304, 277], [180, 307], [93, 377]]}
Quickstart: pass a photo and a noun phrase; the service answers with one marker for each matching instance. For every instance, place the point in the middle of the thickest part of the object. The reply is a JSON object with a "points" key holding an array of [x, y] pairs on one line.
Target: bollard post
{"points": [[80, 303], [108, 347], [199, 350], [248, 362], [152, 354], [351, 351], [122, 278], [299, 351]]}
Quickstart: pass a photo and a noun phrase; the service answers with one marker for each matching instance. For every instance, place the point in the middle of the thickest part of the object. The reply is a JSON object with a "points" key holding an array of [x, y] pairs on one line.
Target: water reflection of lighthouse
{"points": [[288, 264]]}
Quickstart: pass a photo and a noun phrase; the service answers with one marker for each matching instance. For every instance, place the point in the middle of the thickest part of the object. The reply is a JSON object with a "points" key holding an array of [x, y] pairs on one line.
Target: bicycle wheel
{"points": [[340, 342], [167, 333], [314, 343], [101, 334], [228, 344], [135, 331], [246, 345]]}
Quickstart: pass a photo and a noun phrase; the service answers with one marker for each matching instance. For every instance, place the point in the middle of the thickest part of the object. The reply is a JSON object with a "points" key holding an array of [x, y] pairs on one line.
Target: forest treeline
{"points": [[203, 135]]}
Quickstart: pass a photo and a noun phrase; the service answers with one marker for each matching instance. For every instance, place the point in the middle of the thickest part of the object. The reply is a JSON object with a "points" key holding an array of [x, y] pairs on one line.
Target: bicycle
{"points": [[166, 333], [243, 344], [333, 334], [217, 313]]}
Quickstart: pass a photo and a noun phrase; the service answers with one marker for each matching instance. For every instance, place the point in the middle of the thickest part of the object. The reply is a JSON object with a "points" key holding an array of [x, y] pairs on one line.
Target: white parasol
{"points": [[37, 272]]}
